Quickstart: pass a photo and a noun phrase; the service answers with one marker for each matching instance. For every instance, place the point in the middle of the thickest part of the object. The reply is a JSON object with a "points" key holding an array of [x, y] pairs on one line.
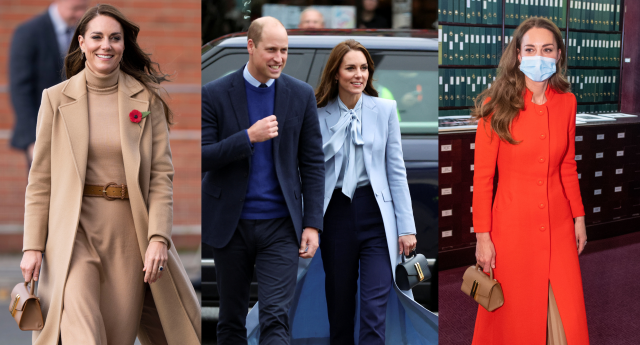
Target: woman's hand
{"points": [[581, 234], [155, 257], [30, 265], [485, 251], [407, 244]]}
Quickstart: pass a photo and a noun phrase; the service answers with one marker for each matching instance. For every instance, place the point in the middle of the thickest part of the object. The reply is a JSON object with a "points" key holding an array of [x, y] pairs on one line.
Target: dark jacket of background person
{"points": [[377, 22], [226, 155], [34, 65]]}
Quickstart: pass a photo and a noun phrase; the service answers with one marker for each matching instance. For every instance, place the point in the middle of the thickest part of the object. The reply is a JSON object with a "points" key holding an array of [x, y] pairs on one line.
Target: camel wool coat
{"points": [[531, 222], [55, 191]]}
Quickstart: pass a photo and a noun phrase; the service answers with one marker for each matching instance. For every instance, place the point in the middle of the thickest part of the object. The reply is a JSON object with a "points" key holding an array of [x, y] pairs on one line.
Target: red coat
{"points": [[531, 223]]}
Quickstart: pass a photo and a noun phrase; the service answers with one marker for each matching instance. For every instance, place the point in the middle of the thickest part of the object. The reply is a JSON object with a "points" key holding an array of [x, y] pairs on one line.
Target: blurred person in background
{"points": [[311, 18], [36, 58], [369, 19], [99, 203]]}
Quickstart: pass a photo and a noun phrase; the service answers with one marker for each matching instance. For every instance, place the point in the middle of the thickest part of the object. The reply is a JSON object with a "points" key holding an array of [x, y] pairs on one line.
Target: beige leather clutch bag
{"points": [[482, 288], [25, 308]]}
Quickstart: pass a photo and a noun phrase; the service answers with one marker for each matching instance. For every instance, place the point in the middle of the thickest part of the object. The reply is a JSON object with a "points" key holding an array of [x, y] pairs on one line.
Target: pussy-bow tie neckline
{"points": [[347, 130]]}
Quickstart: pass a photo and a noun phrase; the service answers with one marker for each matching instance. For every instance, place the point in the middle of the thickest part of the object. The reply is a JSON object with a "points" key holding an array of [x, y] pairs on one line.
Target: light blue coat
{"points": [[407, 321]]}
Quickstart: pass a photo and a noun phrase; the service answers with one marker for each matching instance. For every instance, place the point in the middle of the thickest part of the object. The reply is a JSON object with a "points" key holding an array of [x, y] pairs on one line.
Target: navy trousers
{"points": [[353, 237], [272, 246]]}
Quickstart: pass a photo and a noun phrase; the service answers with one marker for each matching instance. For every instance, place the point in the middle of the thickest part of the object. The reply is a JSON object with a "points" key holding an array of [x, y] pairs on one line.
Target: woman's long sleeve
{"points": [[397, 178], [486, 155], [38, 194], [568, 169], [160, 198]]}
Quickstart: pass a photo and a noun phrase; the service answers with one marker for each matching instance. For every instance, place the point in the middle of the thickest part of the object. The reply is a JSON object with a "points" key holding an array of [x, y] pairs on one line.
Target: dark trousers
{"points": [[354, 236], [272, 246]]}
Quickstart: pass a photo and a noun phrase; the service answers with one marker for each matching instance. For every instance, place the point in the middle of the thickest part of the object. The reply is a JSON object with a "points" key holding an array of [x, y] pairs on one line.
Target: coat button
{"points": [[541, 160], [540, 183], [541, 205], [540, 112], [542, 228], [542, 136]]}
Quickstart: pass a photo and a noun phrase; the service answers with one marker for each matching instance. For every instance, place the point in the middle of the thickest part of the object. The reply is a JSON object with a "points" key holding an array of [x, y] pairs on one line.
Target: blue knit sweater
{"points": [[264, 199]]}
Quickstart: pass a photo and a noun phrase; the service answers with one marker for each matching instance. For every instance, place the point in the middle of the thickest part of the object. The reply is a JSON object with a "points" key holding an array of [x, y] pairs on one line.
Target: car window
{"points": [[409, 78], [231, 59]]}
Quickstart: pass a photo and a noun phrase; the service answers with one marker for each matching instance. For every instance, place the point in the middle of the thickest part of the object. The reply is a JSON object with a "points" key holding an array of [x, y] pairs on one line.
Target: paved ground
{"points": [[10, 275]]}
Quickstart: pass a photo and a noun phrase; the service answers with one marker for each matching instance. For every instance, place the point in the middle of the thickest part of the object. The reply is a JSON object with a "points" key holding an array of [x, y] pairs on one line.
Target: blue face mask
{"points": [[538, 68]]}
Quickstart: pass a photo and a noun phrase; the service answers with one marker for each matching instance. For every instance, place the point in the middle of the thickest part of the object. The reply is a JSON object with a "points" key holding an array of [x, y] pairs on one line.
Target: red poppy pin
{"points": [[136, 116]]}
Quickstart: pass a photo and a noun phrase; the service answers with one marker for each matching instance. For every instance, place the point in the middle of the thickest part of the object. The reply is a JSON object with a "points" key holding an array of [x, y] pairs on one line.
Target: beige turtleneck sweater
{"points": [[104, 160]]}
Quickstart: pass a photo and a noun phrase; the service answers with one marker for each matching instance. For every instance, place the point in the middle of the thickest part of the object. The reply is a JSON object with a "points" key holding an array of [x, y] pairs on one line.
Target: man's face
{"points": [[268, 58], [311, 20], [72, 10], [370, 5]]}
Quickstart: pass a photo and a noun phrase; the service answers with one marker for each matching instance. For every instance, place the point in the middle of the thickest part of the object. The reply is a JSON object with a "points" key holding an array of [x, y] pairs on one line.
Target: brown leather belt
{"points": [[107, 191]]}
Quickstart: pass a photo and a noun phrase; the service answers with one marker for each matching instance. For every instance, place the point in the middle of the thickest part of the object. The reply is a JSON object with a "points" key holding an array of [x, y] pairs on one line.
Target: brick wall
{"points": [[170, 31]]}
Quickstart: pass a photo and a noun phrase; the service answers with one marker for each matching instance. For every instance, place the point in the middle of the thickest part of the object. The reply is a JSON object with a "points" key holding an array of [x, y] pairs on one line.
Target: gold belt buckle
{"points": [[15, 305], [104, 190], [419, 270], [123, 190]]}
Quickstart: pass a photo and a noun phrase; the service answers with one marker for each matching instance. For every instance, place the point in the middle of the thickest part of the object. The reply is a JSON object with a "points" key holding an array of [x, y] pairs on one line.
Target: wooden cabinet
{"points": [[608, 164]]}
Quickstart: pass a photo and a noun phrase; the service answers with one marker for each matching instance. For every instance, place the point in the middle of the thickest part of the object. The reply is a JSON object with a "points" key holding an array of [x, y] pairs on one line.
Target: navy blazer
{"points": [[226, 155], [35, 64]]}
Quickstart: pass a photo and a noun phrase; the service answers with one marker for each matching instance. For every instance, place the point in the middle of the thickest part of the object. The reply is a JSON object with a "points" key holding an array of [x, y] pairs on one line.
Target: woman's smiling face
{"points": [[102, 44], [353, 73]]}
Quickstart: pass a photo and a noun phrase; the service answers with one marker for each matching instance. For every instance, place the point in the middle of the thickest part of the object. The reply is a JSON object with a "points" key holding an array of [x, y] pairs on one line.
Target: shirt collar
{"points": [[357, 108], [253, 81], [59, 24]]}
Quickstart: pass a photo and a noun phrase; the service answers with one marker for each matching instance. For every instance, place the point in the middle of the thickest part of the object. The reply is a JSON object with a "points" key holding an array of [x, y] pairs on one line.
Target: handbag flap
{"points": [[25, 295], [410, 268], [485, 283]]}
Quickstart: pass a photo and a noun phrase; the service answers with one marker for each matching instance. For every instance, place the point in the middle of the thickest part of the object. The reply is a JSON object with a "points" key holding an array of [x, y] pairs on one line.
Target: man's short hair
{"points": [[255, 30]]}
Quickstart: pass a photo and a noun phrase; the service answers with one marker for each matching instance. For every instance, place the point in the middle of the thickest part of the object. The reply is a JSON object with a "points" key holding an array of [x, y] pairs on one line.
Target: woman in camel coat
{"points": [[99, 200], [534, 231]]}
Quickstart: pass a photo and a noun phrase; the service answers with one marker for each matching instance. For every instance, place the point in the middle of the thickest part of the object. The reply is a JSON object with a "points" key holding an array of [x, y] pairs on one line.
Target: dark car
{"points": [[406, 69]]}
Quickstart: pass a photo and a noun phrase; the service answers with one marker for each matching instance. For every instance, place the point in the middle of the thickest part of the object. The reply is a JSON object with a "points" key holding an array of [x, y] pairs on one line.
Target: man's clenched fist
{"points": [[263, 130]]}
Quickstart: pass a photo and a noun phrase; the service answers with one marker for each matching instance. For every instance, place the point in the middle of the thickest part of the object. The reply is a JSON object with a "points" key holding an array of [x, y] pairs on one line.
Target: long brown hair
{"points": [[328, 89], [135, 62], [505, 99]]}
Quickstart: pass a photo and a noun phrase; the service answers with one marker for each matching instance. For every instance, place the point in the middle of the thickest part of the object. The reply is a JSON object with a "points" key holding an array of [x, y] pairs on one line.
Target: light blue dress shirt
{"points": [[361, 171], [62, 30], [253, 81]]}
